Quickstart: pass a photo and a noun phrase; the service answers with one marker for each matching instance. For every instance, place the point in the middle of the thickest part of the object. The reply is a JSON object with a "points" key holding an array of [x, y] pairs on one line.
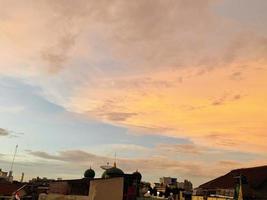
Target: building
{"points": [[186, 185], [169, 186], [253, 182], [9, 190], [168, 181], [70, 187], [5, 176], [113, 184]]}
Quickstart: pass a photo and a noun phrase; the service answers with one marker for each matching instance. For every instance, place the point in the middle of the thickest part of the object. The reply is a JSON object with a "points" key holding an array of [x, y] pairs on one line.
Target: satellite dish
{"points": [[105, 167]]}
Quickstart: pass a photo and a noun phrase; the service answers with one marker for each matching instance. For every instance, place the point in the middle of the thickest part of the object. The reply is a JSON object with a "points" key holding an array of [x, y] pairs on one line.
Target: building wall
{"points": [[197, 198], [59, 188], [261, 193], [62, 197], [216, 198], [106, 189]]}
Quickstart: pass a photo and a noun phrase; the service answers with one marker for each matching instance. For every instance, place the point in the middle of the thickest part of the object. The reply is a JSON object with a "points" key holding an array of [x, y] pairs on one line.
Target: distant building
{"points": [[6, 176], [168, 181], [169, 186], [186, 185], [3, 175], [253, 180]]}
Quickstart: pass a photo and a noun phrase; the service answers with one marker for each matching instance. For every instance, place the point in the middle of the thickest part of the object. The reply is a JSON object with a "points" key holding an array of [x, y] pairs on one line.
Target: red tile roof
{"points": [[255, 177]]}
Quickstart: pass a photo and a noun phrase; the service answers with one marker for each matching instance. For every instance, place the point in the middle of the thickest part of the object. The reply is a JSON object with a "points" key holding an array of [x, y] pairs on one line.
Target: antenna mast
{"points": [[14, 156]]}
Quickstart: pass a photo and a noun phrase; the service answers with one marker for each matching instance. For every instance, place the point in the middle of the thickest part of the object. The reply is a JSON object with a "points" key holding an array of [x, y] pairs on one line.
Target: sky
{"points": [[173, 87]]}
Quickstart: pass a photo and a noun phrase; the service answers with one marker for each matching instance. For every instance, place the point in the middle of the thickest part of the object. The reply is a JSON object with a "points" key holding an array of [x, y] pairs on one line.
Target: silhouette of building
{"points": [[254, 184], [111, 177], [186, 185], [168, 181]]}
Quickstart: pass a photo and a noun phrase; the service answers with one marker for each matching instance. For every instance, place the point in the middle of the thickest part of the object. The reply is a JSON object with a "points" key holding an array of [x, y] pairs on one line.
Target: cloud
{"points": [[4, 132], [222, 140], [182, 148], [230, 163], [225, 98], [68, 156], [119, 116], [236, 76], [56, 56], [151, 167], [148, 166]]}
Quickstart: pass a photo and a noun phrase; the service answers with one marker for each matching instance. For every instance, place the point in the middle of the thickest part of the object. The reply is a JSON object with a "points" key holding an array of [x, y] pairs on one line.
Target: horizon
{"points": [[174, 88]]}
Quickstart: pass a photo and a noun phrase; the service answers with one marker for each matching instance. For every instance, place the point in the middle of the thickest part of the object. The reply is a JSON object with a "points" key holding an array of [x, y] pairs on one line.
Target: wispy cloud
{"points": [[4, 132], [148, 166]]}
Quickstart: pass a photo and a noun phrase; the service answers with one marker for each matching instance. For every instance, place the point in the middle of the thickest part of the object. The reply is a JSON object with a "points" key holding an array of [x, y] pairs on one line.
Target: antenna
{"points": [[14, 156], [115, 160]]}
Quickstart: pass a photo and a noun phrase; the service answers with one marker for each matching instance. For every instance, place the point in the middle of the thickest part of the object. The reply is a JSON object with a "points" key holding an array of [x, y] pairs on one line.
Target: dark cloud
{"points": [[68, 156], [236, 76], [225, 98], [4, 132], [44, 155], [237, 97], [119, 116], [219, 101]]}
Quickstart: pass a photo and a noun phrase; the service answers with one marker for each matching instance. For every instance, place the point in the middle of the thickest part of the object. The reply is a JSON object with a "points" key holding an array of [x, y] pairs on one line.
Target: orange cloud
{"points": [[185, 72], [201, 107]]}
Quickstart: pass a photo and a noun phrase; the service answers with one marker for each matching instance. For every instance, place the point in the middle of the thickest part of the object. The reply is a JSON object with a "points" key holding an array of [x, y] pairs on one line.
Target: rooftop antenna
{"points": [[115, 160], [10, 176], [14, 156]]}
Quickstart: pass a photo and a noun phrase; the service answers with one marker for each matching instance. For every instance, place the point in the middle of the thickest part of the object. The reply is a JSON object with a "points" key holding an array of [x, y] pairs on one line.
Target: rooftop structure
{"points": [[89, 173], [254, 183]]}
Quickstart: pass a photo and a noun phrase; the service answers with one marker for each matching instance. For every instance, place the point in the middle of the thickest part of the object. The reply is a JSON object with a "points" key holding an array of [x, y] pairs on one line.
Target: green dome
{"points": [[89, 173], [137, 175], [112, 172], [104, 175]]}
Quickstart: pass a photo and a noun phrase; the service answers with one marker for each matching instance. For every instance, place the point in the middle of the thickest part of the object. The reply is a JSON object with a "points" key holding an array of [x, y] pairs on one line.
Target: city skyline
{"points": [[175, 88]]}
